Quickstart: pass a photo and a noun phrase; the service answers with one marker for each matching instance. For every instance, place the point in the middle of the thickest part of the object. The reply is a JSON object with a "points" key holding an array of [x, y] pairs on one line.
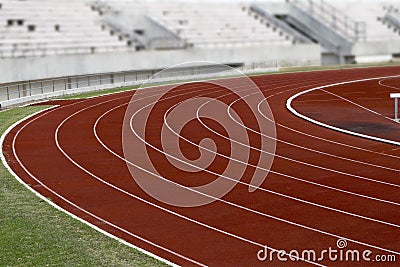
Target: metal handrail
{"points": [[37, 87], [276, 22], [333, 17], [65, 84], [24, 52]]}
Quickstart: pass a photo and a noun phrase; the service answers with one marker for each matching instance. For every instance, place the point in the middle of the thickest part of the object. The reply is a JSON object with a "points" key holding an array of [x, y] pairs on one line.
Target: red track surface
{"points": [[323, 185]]}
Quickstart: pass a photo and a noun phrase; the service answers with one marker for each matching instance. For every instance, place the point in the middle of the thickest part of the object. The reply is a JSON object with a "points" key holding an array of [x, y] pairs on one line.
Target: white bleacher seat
{"points": [[60, 27], [206, 23], [368, 11]]}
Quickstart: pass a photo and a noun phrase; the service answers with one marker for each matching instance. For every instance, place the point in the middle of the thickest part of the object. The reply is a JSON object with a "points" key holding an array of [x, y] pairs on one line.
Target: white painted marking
{"points": [[143, 200], [293, 110], [231, 203], [357, 105], [36, 193], [266, 170], [226, 202], [388, 86], [63, 210]]}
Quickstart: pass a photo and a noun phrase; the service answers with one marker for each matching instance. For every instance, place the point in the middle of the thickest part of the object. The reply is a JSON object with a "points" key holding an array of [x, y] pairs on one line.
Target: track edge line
{"points": [[52, 204], [294, 111]]}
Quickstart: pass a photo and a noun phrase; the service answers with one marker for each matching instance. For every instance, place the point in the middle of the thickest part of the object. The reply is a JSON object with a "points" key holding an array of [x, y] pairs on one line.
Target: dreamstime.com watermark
{"points": [[340, 253]]}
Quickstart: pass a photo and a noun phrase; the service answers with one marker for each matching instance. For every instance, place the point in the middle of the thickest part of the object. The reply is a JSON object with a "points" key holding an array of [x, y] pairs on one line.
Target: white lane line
{"points": [[296, 178], [177, 134], [356, 104], [306, 181], [319, 151], [45, 199], [231, 203], [266, 170], [339, 143], [334, 142], [373, 165], [154, 205], [307, 164], [388, 86], [294, 111], [190, 189], [292, 144], [138, 198], [288, 176], [77, 206]]}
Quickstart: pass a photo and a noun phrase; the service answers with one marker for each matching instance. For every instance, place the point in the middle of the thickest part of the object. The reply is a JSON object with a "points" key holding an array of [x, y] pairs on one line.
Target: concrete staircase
{"points": [[132, 24], [316, 21]]}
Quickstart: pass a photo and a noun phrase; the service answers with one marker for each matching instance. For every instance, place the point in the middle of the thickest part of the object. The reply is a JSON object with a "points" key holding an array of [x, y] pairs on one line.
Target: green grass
{"points": [[338, 67], [282, 70], [33, 233], [97, 93]]}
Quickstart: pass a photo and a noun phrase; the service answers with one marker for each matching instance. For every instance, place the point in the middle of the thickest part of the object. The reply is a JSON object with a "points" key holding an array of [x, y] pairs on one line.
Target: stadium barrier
{"points": [[19, 93]]}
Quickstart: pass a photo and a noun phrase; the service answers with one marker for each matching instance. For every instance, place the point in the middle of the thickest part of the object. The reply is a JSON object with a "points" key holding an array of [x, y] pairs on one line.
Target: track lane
{"points": [[104, 168]]}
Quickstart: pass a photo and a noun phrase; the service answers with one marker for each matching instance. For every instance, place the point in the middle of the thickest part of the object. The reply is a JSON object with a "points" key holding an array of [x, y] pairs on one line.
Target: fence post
{"points": [[30, 88]]}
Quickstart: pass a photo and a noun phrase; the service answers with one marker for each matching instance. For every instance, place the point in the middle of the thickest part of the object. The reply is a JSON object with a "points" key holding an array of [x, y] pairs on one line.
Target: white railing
{"points": [[20, 51], [333, 17], [22, 92]]}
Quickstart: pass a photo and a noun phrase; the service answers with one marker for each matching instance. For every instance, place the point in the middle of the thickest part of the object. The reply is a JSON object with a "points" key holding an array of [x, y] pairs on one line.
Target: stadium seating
{"points": [[48, 27], [53, 27], [205, 25], [369, 12]]}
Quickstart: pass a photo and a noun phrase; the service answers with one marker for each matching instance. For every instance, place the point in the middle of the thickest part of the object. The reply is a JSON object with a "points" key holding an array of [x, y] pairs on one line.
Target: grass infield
{"points": [[32, 233]]}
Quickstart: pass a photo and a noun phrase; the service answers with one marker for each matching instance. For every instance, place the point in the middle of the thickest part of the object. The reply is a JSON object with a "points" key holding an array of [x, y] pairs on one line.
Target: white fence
{"points": [[18, 93]]}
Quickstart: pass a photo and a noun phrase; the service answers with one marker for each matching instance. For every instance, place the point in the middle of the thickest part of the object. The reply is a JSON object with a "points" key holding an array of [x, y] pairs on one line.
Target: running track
{"points": [[324, 185]]}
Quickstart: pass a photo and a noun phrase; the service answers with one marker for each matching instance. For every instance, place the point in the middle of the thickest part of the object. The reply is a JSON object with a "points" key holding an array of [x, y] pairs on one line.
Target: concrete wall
{"points": [[35, 68], [374, 48]]}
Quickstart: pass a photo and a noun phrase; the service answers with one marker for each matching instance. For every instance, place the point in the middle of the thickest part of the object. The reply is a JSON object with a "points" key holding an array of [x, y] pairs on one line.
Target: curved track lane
{"points": [[323, 185]]}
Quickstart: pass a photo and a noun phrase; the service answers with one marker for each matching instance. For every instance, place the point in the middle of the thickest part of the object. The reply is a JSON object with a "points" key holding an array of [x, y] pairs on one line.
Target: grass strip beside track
{"points": [[338, 67], [98, 93], [32, 233]]}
